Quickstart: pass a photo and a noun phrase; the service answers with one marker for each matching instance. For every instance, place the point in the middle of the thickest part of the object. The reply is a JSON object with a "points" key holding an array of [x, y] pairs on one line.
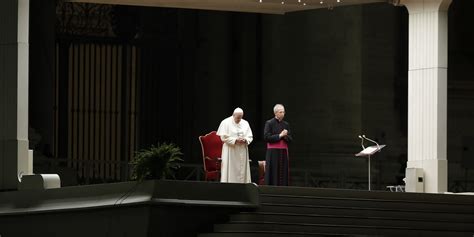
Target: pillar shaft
{"points": [[13, 91], [427, 90]]}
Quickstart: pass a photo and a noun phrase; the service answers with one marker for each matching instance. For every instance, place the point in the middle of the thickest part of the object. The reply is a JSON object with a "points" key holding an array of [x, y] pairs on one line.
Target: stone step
{"points": [[292, 228], [405, 205], [275, 233], [351, 220], [364, 194], [366, 212]]}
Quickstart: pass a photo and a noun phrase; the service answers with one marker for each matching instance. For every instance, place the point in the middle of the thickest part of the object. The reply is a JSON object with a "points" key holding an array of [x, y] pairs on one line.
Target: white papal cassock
{"points": [[235, 166]]}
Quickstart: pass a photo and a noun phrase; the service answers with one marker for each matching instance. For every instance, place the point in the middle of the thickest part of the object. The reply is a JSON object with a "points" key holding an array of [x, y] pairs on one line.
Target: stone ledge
{"points": [[153, 192]]}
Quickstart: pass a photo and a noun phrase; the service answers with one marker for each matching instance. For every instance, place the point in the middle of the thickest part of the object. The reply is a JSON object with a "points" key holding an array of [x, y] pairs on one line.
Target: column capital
{"points": [[419, 6]]}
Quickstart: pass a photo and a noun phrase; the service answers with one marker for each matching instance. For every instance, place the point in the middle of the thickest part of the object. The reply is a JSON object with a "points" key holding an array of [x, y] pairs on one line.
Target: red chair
{"points": [[211, 146]]}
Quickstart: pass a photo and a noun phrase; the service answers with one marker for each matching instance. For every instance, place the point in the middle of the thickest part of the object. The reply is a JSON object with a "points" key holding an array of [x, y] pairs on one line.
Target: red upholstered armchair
{"points": [[211, 145]]}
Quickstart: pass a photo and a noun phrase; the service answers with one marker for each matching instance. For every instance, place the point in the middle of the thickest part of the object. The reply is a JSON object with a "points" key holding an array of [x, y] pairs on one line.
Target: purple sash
{"points": [[278, 145]]}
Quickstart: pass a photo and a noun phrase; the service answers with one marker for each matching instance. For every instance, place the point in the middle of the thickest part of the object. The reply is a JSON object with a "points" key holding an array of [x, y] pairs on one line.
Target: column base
{"points": [[15, 161], [435, 174]]}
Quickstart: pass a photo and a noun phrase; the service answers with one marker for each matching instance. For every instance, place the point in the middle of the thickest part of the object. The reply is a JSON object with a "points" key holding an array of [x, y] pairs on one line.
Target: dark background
{"points": [[339, 73]]}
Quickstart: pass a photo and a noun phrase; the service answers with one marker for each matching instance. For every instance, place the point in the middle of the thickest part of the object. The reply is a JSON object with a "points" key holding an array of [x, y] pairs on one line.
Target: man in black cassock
{"points": [[277, 135]]}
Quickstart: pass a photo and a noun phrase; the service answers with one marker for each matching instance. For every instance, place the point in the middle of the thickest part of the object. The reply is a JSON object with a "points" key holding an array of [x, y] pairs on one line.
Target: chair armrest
{"points": [[208, 158]]}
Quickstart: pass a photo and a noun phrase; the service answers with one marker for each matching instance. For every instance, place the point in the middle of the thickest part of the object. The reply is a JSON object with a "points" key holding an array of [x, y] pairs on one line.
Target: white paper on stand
{"points": [[370, 150]]}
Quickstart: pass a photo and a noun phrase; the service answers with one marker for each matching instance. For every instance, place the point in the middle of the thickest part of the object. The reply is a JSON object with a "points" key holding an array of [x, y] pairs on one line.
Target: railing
{"points": [[298, 177]]}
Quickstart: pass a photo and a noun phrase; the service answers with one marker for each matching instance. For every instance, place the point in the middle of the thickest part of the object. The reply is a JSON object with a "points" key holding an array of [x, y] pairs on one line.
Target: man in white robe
{"points": [[236, 134]]}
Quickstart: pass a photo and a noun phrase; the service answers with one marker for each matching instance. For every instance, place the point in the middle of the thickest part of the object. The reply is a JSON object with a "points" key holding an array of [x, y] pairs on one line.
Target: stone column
{"points": [[13, 91], [427, 90]]}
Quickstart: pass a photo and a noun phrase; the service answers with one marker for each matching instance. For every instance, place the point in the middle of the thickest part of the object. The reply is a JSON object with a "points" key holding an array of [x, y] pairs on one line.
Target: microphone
{"points": [[362, 142], [378, 146]]}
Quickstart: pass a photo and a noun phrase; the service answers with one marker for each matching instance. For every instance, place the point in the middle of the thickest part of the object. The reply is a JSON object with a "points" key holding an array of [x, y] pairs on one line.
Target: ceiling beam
{"points": [[251, 6]]}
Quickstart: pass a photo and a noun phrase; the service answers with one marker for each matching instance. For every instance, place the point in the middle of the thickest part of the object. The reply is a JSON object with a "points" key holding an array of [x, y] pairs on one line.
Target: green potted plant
{"points": [[156, 162]]}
